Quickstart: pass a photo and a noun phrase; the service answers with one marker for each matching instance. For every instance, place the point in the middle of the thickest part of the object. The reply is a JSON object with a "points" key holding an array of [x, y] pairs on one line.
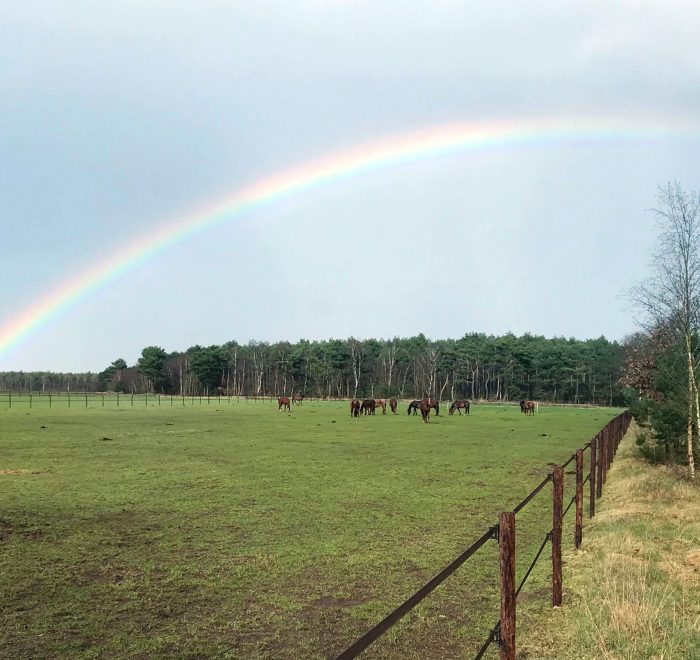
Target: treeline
{"points": [[477, 366]]}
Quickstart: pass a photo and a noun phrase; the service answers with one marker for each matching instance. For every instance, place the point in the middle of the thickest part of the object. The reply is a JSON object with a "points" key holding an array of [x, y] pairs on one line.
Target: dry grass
{"points": [[633, 589]]}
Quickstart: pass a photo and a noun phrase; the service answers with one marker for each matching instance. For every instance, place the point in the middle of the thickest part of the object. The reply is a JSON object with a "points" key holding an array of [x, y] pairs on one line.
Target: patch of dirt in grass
{"points": [[111, 575], [331, 602], [27, 533], [536, 595]]}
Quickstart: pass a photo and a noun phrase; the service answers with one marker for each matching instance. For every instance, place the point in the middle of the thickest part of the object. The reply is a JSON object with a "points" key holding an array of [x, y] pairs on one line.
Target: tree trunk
{"points": [[692, 404]]}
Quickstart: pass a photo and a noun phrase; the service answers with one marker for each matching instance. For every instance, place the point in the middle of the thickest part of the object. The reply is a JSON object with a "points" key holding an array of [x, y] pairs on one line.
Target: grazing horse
{"points": [[393, 404], [355, 408], [424, 407], [381, 403], [527, 407], [413, 406], [368, 406], [283, 401], [298, 399], [456, 405]]}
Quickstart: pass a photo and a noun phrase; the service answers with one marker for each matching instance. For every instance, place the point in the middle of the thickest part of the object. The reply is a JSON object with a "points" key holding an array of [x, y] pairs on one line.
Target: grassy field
{"points": [[237, 531]]}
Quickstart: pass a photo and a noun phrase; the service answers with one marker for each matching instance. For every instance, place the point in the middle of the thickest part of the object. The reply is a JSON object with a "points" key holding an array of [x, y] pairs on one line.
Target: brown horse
{"points": [[298, 399], [434, 404], [355, 408], [527, 407], [393, 404], [381, 403], [424, 407], [456, 405], [283, 401], [368, 406]]}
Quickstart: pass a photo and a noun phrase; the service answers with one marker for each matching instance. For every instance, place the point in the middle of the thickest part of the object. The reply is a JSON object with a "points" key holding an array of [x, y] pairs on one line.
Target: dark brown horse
{"points": [[456, 405], [355, 408], [381, 403], [413, 407], [298, 399], [368, 406], [434, 404], [424, 407], [393, 404], [283, 401], [527, 407]]}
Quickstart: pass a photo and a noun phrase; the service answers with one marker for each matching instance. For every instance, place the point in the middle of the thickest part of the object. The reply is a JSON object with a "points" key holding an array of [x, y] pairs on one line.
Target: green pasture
{"points": [[232, 530]]}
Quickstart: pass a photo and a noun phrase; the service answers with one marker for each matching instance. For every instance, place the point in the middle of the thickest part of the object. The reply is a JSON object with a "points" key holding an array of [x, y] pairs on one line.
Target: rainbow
{"points": [[403, 148]]}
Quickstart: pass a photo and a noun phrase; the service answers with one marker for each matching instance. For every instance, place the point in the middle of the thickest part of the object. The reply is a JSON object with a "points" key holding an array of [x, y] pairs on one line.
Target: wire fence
{"points": [[602, 452], [9, 400], [15, 398]]}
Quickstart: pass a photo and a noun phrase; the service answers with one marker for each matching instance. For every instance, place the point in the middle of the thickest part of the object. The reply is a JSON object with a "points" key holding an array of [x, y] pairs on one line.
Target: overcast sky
{"points": [[115, 116]]}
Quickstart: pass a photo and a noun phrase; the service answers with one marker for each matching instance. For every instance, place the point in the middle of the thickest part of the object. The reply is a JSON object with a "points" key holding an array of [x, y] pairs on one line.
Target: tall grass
{"points": [[633, 590]]}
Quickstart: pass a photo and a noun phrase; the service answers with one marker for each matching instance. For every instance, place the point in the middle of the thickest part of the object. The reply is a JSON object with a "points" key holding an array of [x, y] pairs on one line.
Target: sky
{"points": [[131, 131]]}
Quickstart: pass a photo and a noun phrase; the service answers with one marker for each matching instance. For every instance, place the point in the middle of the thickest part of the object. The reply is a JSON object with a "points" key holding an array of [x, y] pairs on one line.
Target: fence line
{"points": [[11, 398], [603, 448]]}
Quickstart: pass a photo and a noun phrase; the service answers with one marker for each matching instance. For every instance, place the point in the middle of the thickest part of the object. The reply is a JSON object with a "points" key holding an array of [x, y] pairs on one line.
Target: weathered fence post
{"points": [[506, 546], [591, 478], [578, 531], [604, 456], [557, 508], [86, 404], [30, 400]]}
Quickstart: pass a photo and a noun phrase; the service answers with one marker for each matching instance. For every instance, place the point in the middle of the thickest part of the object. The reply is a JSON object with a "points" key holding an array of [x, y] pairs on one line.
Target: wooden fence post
{"points": [[578, 531], [506, 546], [604, 457], [557, 509], [591, 478]]}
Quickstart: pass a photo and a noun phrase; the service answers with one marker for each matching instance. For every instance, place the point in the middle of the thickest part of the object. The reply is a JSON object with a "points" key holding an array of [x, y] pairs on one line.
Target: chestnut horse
{"points": [[393, 404], [368, 406], [355, 408], [527, 407], [456, 405], [283, 401], [433, 403], [424, 406], [382, 403]]}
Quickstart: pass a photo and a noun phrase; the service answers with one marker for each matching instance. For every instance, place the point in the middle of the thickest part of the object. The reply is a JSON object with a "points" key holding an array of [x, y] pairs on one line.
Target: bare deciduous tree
{"points": [[671, 296]]}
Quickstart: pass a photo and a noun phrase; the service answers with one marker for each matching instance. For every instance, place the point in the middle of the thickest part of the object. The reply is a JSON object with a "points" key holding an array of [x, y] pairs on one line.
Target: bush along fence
{"points": [[603, 448]]}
